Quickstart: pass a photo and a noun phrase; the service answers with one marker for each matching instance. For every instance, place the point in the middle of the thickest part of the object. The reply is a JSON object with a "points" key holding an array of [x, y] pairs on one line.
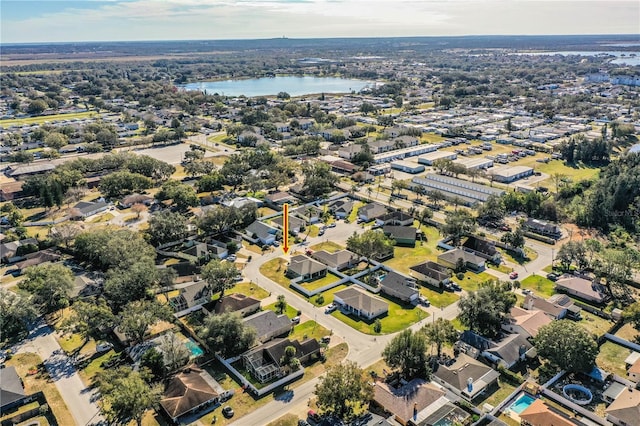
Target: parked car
{"points": [[321, 233], [276, 243], [513, 275], [326, 339], [330, 308], [332, 225], [295, 320], [231, 258], [314, 416], [552, 276], [424, 301], [302, 422], [103, 347], [455, 287], [526, 291], [505, 228], [228, 412]]}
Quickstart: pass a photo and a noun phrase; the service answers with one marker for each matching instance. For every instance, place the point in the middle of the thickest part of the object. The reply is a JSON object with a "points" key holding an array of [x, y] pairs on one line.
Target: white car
{"points": [[330, 308], [231, 258]]}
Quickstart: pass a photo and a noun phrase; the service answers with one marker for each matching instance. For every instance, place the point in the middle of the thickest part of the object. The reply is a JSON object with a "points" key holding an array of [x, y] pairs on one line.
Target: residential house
{"points": [[431, 273], [236, 303], [554, 310], [540, 414], [87, 284], [349, 151], [409, 402], [542, 227], [400, 287], [268, 325], [505, 352], [465, 377], [340, 260], [189, 391], [396, 218], [296, 225], [240, 202], [281, 127], [371, 212], [12, 392], [37, 258], [205, 252], [343, 167], [260, 232], [279, 198], [11, 191], [360, 303], [21, 171], [341, 208], [583, 288], [310, 213], [526, 322], [632, 363], [471, 260], [132, 199], [305, 268], [191, 296], [624, 410], [85, 209], [483, 248], [402, 235], [573, 310], [265, 362], [250, 138], [9, 251]]}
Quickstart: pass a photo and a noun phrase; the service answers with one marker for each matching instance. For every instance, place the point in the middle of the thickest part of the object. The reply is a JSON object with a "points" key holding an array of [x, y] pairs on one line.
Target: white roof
{"points": [[632, 358]]}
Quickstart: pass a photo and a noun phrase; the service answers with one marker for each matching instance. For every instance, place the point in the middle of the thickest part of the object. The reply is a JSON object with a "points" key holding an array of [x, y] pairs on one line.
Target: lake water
{"points": [[294, 86], [621, 58]]}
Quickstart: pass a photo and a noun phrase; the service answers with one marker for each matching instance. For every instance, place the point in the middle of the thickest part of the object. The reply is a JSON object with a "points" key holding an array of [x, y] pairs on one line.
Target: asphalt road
{"points": [[80, 400]]}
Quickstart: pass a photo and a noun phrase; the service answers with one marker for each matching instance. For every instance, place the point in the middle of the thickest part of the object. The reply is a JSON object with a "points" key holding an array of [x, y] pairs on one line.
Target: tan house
{"points": [[360, 303], [625, 410], [540, 414], [408, 402], [583, 288], [526, 323], [189, 391], [306, 268], [431, 273]]}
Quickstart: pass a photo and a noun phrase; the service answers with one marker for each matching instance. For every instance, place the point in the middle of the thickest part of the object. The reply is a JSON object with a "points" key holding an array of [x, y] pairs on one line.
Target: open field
{"points": [[275, 270], [308, 330], [398, 318], [41, 119], [539, 285]]}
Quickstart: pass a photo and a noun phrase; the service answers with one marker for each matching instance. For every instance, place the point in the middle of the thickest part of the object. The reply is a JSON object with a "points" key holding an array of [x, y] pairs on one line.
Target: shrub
{"points": [[320, 299], [460, 275], [377, 326]]}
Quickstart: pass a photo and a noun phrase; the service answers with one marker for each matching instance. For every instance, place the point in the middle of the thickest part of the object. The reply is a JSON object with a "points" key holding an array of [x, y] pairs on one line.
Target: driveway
{"points": [[80, 400]]}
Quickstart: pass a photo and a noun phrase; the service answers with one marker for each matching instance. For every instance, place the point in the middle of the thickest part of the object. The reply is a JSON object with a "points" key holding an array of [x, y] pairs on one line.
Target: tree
{"points": [[344, 391], [138, 209], [458, 224], [220, 275], [132, 283], [514, 239], [371, 244], [289, 359], [632, 315], [126, 395], [124, 182], [486, 309], [318, 179], [367, 108], [50, 285], [153, 361], [37, 106], [113, 248], [219, 220], [55, 140], [567, 345], [281, 305], [181, 195], [210, 182], [64, 233], [440, 332], [18, 311], [492, 210], [175, 353], [166, 226], [408, 353], [227, 335], [91, 319], [137, 317]]}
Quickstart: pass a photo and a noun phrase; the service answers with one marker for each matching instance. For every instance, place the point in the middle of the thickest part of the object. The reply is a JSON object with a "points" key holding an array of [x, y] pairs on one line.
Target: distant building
{"points": [[542, 227]]}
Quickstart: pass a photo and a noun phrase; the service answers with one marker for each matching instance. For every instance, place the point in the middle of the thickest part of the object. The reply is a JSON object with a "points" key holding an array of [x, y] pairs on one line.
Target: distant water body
{"points": [[294, 86], [621, 58]]}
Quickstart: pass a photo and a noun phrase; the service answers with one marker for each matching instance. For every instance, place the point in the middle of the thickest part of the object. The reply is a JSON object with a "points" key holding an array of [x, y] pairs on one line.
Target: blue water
{"points": [[620, 57], [522, 403], [443, 422], [193, 347], [294, 86]]}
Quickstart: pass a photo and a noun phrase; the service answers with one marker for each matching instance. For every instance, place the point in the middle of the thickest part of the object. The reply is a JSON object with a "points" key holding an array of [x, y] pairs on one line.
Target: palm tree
{"points": [[369, 191]]}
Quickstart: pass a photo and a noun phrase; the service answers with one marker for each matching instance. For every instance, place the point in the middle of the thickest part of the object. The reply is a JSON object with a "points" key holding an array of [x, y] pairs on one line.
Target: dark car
{"points": [[315, 417], [302, 422], [552, 277], [228, 412]]}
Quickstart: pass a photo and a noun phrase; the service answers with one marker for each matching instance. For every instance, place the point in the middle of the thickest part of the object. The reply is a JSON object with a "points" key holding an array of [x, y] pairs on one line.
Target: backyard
{"points": [[472, 281], [539, 285], [611, 358], [327, 296], [398, 318], [439, 298], [405, 257]]}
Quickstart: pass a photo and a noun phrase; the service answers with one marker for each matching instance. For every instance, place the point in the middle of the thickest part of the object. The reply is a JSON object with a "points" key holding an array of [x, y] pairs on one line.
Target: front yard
{"points": [[405, 257], [328, 246], [327, 296], [308, 330], [275, 270], [472, 280], [539, 285], [439, 298], [398, 318], [290, 311]]}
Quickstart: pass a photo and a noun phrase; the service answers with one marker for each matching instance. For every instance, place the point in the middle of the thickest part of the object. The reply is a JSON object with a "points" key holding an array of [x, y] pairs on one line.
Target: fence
{"points": [[34, 412]]}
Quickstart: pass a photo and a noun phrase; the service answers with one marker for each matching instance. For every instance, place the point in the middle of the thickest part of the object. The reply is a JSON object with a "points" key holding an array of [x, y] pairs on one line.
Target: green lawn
{"points": [[538, 284], [310, 329], [43, 118], [472, 281], [328, 246], [398, 318], [326, 280], [354, 213], [405, 257], [594, 324], [328, 295], [290, 311], [94, 366], [574, 172], [500, 268], [312, 231], [439, 298], [611, 358], [275, 270], [458, 325], [497, 394], [249, 289]]}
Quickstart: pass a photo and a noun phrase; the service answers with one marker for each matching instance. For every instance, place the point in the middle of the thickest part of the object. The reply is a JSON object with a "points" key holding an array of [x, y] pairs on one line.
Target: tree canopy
{"points": [[457, 224], [90, 319], [370, 244], [50, 285], [407, 352], [344, 391], [440, 332], [227, 335], [137, 317], [318, 179], [18, 311], [220, 275], [166, 226], [484, 310], [567, 345]]}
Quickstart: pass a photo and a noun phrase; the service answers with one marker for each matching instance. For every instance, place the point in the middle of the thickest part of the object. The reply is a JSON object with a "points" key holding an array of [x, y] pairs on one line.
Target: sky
{"points": [[28, 21]]}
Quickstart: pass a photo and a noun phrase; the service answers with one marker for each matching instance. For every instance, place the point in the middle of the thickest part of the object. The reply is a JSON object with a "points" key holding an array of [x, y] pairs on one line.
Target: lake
{"points": [[294, 86], [621, 58]]}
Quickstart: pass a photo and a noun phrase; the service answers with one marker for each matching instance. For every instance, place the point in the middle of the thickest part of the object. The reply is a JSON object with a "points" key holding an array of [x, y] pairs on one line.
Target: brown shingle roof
{"points": [[415, 395], [186, 391]]}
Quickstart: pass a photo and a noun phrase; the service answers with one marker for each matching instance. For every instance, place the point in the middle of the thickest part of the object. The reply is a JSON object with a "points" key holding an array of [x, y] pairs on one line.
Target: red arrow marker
{"points": [[285, 228]]}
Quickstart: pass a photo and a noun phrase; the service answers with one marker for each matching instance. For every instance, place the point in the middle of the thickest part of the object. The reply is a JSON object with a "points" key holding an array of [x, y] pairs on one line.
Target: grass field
{"points": [[472, 281], [398, 318], [310, 329], [290, 311], [327, 295], [326, 280], [286, 420], [538, 284], [439, 298], [249, 289], [275, 270], [611, 358], [47, 118], [627, 332], [405, 257], [594, 324], [41, 381], [328, 246], [354, 213]]}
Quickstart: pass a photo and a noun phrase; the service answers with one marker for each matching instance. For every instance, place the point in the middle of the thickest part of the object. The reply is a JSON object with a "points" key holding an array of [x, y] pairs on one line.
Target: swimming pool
{"points": [[193, 347], [522, 403]]}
